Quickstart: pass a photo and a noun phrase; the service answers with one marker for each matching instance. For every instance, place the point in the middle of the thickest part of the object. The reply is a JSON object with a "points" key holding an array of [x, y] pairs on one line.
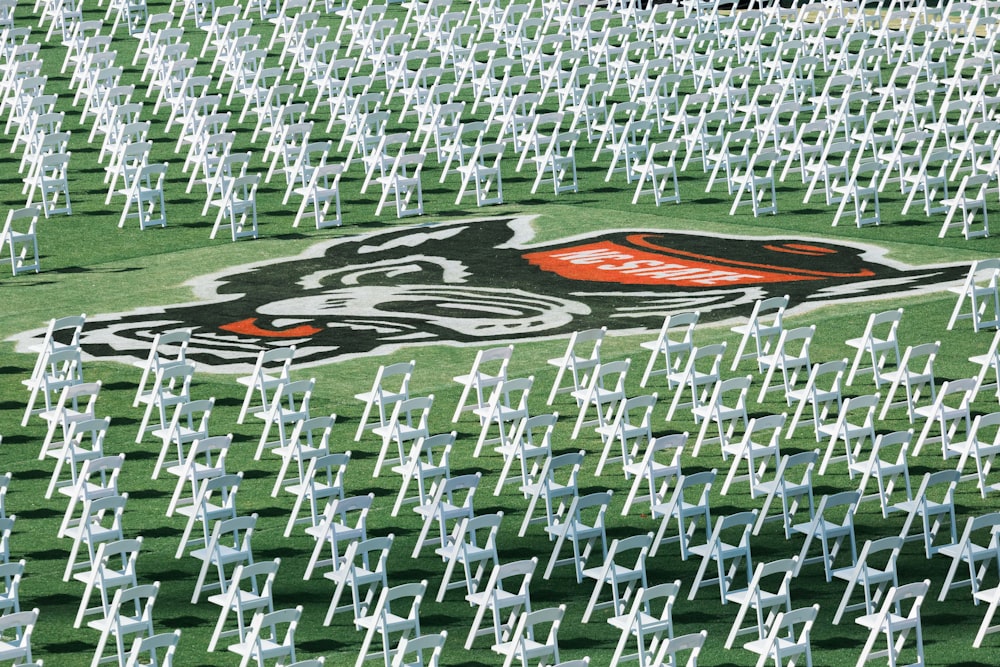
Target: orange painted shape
{"points": [[248, 327]]}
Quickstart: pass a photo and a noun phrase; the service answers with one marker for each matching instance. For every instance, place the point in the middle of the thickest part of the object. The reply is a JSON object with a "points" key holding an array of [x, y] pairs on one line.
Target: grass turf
{"points": [[90, 266]]}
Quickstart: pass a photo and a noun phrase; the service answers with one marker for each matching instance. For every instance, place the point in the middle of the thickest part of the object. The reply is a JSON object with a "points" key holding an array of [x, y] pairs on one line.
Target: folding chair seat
{"points": [[159, 649], [17, 628], [505, 596], [700, 374], [130, 614], [482, 170], [310, 439], [171, 388], [969, 202], [272, 368], [289, 404], [507, 406], [660, 172], [934, 505], [363, 570], [215, 501], [759, 446], [982, 290], [763, 328], [271, 635], [875, 572], [249, 590], [604, 392], [556, 484], [229, 544], [397, 611], [625, 576], [85, 441], [895, 625], [951, 407], [583, 354], [488, 369], [344, 520], [113, 568], [20, 237], [205, 458], [238, 208], [791, 356], [167, 349], [726, 408], [531, 441], [384, 394], [767, 592], [528, 642], [983, 445], [854, 427], [583, 526], [649, 627], [788, 638], [452, 501], [977, 549], [408, 422], [728, 547], [655, 474], [428, 464]]}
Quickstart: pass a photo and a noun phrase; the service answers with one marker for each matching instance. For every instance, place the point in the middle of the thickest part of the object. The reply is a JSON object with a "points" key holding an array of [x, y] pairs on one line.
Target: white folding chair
{"points": [[363, 569], [171, 388], [528, 642], [323, 479], [452, 501], [238, 208], [768, 591], [167, 349], [763, 328], [76, 403], [271, 636], [397, 611], [788, 639], [85, 441], [728, 547], [626, 576], [759, 447], [879, 343], [215, 501], [230, 544], [159, 649], [978, 549], [631, 431], [391, 385], [507, 406], [531, 442], [428, 463], [130, 614], [344, 520], [189, 423], [505, 596], [62, 368], [556, 484], [488, 369], [790, 356], [890, 474], [251, 589], [658, 174], [934, 505], [915, 373], [604, 392], [660, 464], [289, 405], [583, 354], [422, 650], [407, 423], [950, 409], [792, 484], [404, 183], [205, 458], [17, 629], [702, 371], [854, 427], [990, 361], [726, 408], [875, 572], [473, 544], [583, 526], [273, 366], [672, 650], [20, 237], [892, 623], [642, 622], [981, 447], [982, 290], [674, 341], [100, 522], [482, 171], [821, 391], [970, 205], [310, 439], [688, 504], [114, 567], [145, 193]]}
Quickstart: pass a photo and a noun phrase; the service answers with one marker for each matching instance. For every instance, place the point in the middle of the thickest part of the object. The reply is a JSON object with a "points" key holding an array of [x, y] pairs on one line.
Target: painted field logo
{"points": [[483, 282]]}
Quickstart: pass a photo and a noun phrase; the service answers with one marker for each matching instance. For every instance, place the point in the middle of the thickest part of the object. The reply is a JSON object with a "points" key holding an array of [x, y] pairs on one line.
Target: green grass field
{"points": [[91, 266]]}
